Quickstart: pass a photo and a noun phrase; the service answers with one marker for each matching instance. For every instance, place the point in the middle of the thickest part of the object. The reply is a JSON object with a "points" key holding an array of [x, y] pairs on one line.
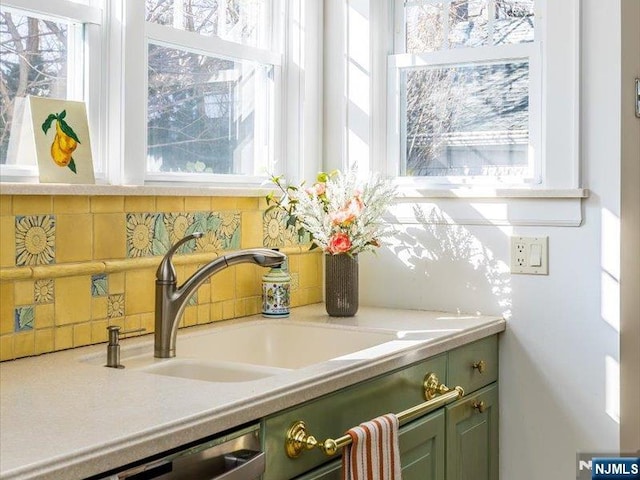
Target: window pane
{"points": [[33, 61], [513, 21], [467, 120], [424, 27], [242, 21], [468, 23], [207, 114]]}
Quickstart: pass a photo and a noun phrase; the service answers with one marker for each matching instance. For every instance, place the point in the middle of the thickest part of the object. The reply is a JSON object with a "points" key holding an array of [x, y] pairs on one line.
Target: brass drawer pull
{"points": [[481, 366], [479, 406], [437, 394]]}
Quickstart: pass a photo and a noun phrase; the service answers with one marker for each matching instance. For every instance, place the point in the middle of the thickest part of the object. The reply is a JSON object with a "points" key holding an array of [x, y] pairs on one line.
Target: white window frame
{"points": [[90, 53], [400, 62]]}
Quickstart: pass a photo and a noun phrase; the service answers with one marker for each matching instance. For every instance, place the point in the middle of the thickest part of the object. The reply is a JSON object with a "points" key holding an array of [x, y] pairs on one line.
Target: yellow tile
{"points": [[197, 204], [131, 322], [169, 204], [23, 292], [308, 271], [204, 313], [191, 316], [293, 261], [147, 321], [73, 300], [319, 269], [32, 204], [116, 283], [251, 229], [315, 295], [228, 309], [71, 204], [44, 315], [223, 285], [254, 305], [140, 291], [204, 294], [44, 341], [224, 203], [107, 204], [24, 344], [7, 241], [6, 203], [7, 306], [6, 348], [240, 308], [99, 331], [117, 322], [216, 311], [248, 203], [63, 337], [246, 284], [262, 203], [140, 204], [109, 237], [74, 238], [98, 308]]}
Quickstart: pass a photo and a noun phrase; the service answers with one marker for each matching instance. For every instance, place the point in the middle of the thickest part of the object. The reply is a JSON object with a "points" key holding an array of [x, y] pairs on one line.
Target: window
{"points": [[464, 91], [45, 53], [211, 86]]}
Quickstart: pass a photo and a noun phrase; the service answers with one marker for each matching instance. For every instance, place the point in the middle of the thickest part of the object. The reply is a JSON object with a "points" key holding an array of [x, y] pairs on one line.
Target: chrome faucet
{"points": [[171, 299]]}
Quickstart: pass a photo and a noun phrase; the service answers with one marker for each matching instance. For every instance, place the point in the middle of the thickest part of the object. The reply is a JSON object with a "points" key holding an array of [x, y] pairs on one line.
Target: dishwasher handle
{"points": [[248, 467]]}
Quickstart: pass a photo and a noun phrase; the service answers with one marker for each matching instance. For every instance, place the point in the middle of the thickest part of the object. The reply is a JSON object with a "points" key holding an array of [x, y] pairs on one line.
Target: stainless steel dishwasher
{"points": [[234, 456]]}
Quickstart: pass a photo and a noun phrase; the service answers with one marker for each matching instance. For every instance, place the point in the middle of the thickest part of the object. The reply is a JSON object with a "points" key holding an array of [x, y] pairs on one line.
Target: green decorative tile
{"points": [[44, 291], [24, 317], [176, 226], [99, 285], [35, 240], [193, 299]]}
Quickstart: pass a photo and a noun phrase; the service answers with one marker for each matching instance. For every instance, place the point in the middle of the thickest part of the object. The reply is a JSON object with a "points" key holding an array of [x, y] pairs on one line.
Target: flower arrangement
{"points": [[342, 214]]}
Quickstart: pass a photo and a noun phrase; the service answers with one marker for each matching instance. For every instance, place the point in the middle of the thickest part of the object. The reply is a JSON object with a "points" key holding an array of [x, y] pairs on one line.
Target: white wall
{"points": [[554, 376]]}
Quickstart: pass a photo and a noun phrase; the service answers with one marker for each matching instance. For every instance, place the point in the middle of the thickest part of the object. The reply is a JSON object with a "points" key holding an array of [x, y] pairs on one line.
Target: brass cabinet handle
{"points": [[479, 406], [481, 366], [297, 439]]}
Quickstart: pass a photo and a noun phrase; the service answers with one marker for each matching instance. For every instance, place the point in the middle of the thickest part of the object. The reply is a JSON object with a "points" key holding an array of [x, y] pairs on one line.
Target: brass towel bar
{"points": [[436, 393]]}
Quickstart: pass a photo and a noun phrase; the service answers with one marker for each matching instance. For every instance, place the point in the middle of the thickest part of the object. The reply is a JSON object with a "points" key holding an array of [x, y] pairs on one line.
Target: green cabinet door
{"points": [[472, 436], [421, 452]]}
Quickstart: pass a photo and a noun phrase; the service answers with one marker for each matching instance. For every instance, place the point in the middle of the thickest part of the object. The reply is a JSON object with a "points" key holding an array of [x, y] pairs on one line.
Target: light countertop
{"points": [[63, 416]]}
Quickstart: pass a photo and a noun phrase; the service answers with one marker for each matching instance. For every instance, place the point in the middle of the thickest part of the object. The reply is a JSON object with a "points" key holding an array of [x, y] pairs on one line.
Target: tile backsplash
{"points": [[72, 265]]}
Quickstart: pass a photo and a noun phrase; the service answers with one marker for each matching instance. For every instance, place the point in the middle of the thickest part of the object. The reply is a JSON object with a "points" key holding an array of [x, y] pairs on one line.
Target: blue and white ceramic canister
{"points": [[276, 293]]}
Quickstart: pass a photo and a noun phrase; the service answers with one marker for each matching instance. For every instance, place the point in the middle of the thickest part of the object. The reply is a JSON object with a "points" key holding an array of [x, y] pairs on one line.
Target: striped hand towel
{"points": [[373, 453]]}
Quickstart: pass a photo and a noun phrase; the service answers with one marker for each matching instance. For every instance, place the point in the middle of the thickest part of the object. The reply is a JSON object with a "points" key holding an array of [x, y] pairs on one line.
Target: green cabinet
{"points": [[421, 452], [456, 442]]}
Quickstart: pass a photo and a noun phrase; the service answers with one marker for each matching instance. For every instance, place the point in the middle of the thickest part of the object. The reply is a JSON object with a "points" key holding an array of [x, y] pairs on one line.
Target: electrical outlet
{"points": [[529, 255]]}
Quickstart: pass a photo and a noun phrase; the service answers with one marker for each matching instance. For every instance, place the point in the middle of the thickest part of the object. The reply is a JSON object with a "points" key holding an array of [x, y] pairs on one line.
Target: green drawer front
{"points": [[461, 369], [332, 415]]}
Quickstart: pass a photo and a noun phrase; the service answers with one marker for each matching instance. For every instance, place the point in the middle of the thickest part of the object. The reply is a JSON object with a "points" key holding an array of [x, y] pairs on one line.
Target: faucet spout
{"points": [[171, 299]]}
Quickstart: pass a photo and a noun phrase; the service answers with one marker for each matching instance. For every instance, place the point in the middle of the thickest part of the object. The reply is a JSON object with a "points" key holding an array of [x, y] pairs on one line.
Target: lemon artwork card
{"points": [[62, 144]]}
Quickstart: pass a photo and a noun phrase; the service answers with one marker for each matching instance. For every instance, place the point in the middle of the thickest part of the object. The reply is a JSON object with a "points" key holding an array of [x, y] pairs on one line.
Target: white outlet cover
{"points": [[521, 255]]}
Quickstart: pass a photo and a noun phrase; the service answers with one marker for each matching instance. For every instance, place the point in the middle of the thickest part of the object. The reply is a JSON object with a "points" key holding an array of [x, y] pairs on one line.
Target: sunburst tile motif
{"points": [[99, 285], [209, 243], [140, 233], [24, 318], [115, 305], [43, 290], [273, 228], [35, 240]]}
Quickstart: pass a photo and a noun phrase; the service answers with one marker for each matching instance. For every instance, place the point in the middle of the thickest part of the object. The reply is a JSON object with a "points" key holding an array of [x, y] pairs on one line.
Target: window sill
{"points": [[483, 206], [7, 188]]}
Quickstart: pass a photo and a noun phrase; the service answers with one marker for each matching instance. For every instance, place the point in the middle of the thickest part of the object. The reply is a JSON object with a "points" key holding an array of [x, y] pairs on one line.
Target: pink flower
{"points": [[342, 217], [317, 189], [339, 243]]}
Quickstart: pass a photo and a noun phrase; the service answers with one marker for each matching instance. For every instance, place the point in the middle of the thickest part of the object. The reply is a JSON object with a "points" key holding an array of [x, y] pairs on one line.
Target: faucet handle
{"points": [[166, 273]]}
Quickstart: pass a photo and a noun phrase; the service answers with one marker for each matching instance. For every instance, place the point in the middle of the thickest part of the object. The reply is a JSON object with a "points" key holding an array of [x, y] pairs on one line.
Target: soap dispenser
{"points": [[276, 292]]}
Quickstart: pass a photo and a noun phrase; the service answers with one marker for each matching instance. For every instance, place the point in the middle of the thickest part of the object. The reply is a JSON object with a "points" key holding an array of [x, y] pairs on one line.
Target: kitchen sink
{"points": [[250, 351]]}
